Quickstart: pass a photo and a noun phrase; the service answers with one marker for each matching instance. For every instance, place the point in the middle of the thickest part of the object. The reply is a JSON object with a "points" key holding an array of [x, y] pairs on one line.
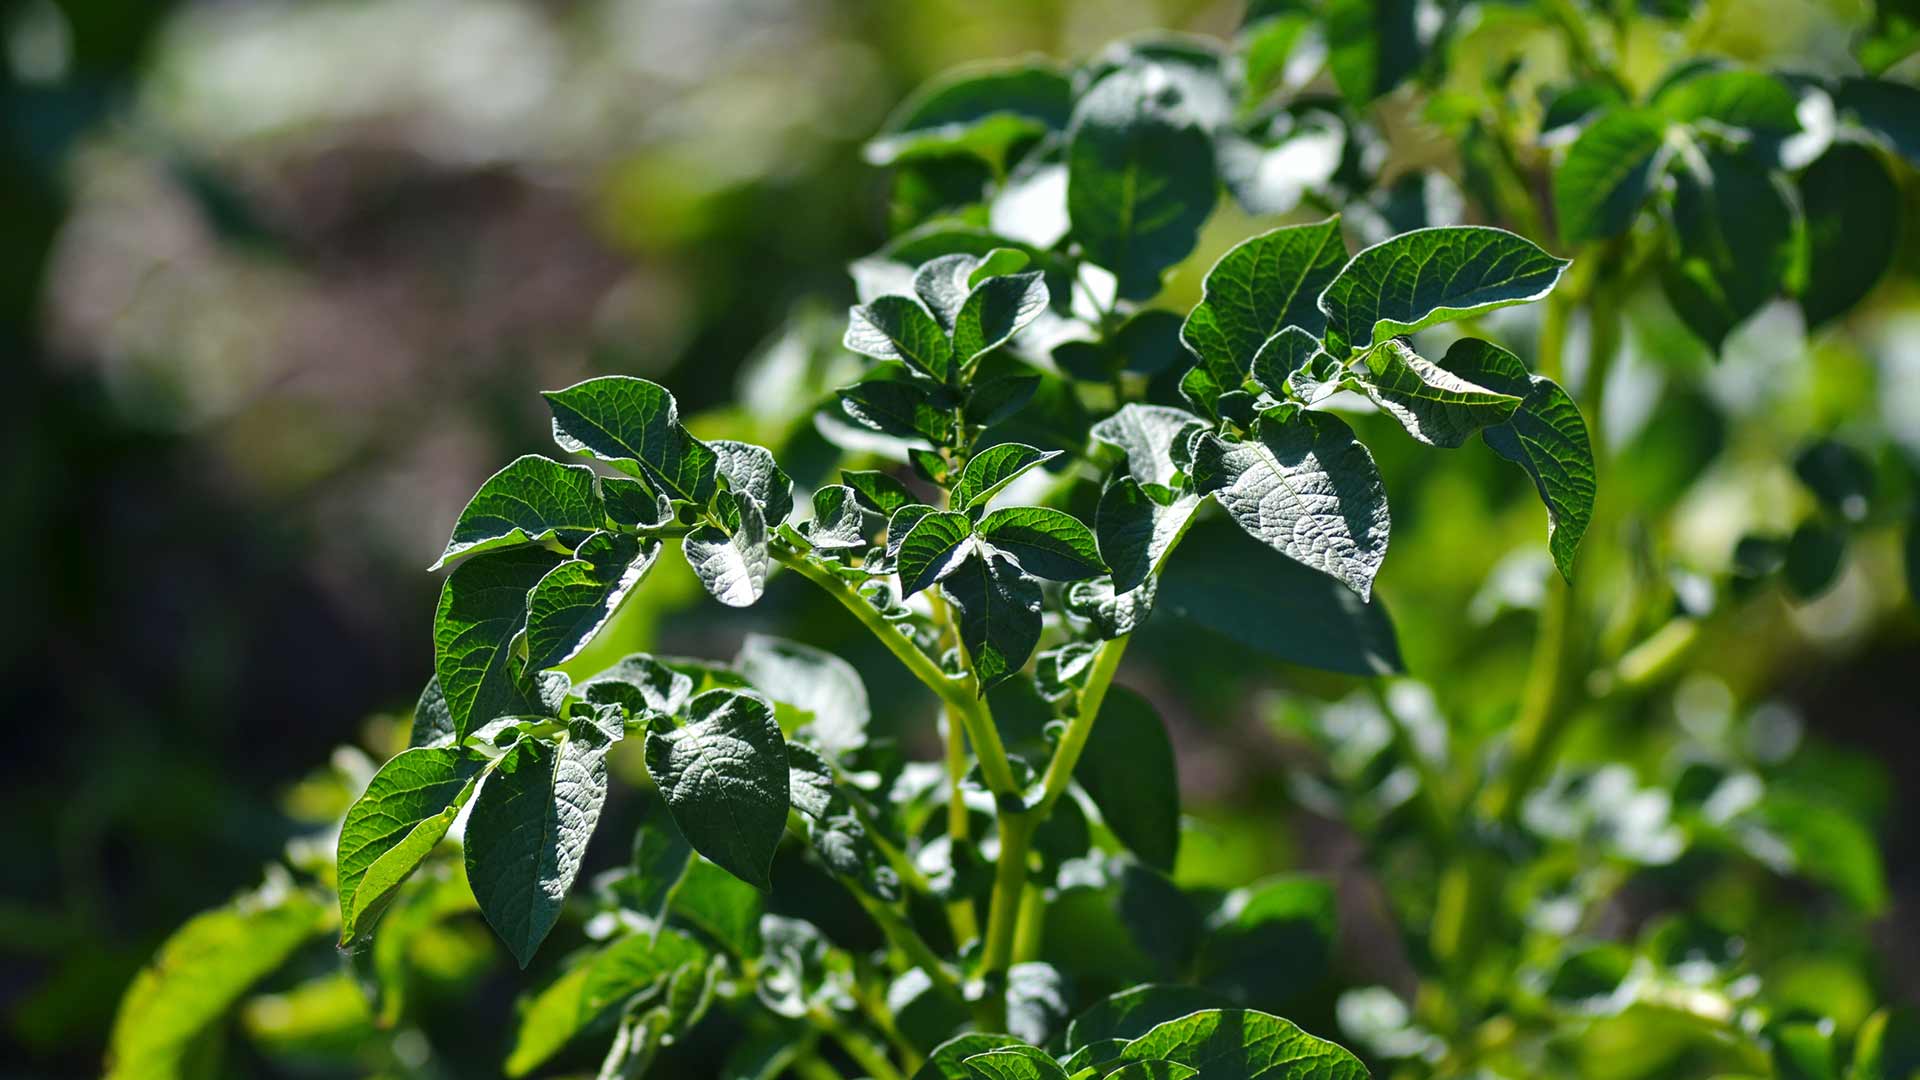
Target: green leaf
{"points": [[947, 1060], [1235, 586], [814, 681], [1153, 1070], [1047, 543], [1373, 45], [1608, 173], [992, 469], [640, 684], [1132, 1013], [878, 491], [732, 567], [1282, 355], [531, 500], [839, 524], [894, 406], [1430, 276], [1546, 436], [932, 548], [1840, 476], [575, 599], [529, 830], [432, 722], [632, 503], [809, 780], [995, 310], [1304, 486], [1240, 1044], [199, 973], [1814, 553], [1135, 531], [1888, 110], [1140, 178], [1259, 288], [1149, 435], [1272, 941], [405, 811], [982, 110], [724, 776], [1852, 209], [999, 614], [1887, 1046], [635, 965], [548, 1022], [483, 608], [659, 862], [721, 905], [1436, 406], [898, 328], [635, 424], [1129, 772], [1744, 101], [1015, 1063], [1732, 244], [751, 471]]}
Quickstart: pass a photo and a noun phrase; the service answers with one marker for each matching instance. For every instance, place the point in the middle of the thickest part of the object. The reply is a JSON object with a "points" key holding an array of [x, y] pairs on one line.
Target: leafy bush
{"points": [[1063, 459]]}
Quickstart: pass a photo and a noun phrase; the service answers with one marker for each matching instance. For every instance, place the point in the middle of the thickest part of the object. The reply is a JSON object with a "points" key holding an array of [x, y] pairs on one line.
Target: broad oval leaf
{"points": [[1153, 1070], [980, 110], [575, 599], [751, 471], [1015, 1063], [1430, 276], [1047, 543], [1852, 209], [732, 567], [1128, 769], [1136, 531], [999, 614], [946, 1062], [1733, 243], [888, 402], [1436, 406], [877, 491], [532, 499], [994, 311], [898, 328], [1241, 1044], [1148, 435], [640, 684], [814, 681], [839, 523], [1270, 942], [406, 810], [993, 468], [483, 608], [1140, 176], [1280, 357], [1133, 1012], [635, 424], [932, 549], [1744, 101], [1304, 486], [1546, 436], [529, 830], [1259, 288], [1607, 175], [724, 776], [1889, 110]]}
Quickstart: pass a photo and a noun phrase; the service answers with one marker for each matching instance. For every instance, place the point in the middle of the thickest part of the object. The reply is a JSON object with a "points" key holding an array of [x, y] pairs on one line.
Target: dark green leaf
{"points": [[1280, 357], [660, 858], [1237, 587], [1140, 177], [1149, 436], [733, 568], [1436, 406], [1240, 1044], [1852, 209], [898, 328], [1015, 1063], [1732, 243], [1608, 173], [1153, 1070], [751, 471], [1430, 276], [640, 684], [1813, 558], [1132, 1013], [575, 599], [1271, 942], [405, 811], [894, 406], [994, 468], [814, 681], [529, 830], [878, 491], [1259, 288], [635, 425], [432, 723], [531, 500], [632, 503], [1744, 101], [1372, 45], [946, 1061], [994, 311], [1047, 543], [999, 614], [1889, 110], [1546, 436], [994, 401], [721, 905], [1037, 998], [1887, 1046], [724, 776], [1136, 531], [981, 110], [634, 965], [1839, 476], [483, 608], [1304, 486], [1129, 771], [932, 549]]}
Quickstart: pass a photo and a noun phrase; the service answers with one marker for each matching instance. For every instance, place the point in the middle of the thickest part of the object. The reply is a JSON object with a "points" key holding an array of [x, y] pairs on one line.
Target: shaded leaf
{"points": [[877, 491], [1436, 406], [575, 599], [641, 684], [999, 614], [483, 608], [1128, 769], [1732, 244], [1133, 1012], [1852, 209], [981, 110], [1607, 175]]}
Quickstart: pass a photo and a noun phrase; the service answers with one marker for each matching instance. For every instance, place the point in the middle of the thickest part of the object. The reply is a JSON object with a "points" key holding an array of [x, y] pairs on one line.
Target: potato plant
{"points": [[1038, 456]]}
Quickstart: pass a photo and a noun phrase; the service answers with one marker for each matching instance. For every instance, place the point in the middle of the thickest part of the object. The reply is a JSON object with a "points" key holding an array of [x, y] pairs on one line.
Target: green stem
{"points": [[904, 937], [1074, 740], [960, 914], [1435, 818], [1009, 882], [811, 1066], [1028, 928], [861, 1049]]}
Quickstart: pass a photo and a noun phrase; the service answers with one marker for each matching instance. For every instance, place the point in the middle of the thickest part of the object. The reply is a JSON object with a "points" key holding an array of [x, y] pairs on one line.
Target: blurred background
{"points": [[279, 283]]}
